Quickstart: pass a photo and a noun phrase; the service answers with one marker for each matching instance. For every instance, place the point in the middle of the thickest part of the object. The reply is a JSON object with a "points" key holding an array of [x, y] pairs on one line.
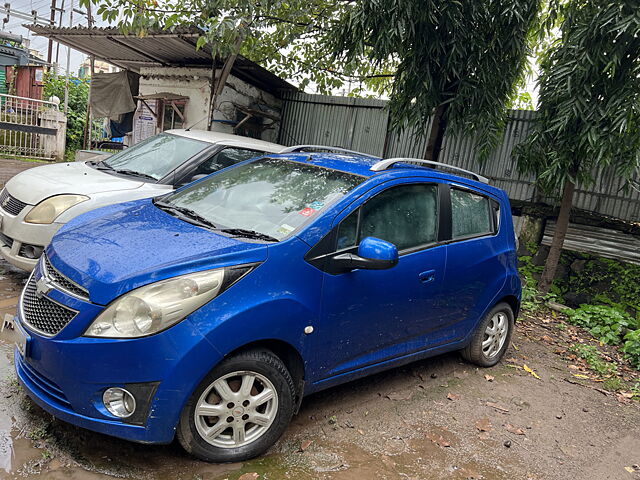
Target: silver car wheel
{"points": [[236, 409], [495, 335]]}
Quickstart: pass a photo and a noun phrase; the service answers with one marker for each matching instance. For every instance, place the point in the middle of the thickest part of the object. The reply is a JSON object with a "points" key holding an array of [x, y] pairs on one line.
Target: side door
{"points": [[369, 316], [226, 157], [476, 265]]}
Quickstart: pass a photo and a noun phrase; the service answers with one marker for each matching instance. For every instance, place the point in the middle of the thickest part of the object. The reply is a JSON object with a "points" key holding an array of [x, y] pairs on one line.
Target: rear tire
{"points": [[491, 337], [217, 423]]}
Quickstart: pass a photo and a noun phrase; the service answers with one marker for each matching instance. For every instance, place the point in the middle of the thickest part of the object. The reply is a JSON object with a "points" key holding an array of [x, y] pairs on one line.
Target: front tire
{"points": [[239, 410], [491, 338]]}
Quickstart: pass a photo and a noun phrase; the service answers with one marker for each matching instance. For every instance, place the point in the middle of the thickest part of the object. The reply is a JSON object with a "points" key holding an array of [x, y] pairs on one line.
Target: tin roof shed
{"points": [[176, 48]]}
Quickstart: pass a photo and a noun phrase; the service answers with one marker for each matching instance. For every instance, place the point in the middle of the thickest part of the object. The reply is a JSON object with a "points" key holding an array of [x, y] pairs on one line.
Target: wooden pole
{"points": [[66, 83], [53, 21], [88, 130], [58, 43]]}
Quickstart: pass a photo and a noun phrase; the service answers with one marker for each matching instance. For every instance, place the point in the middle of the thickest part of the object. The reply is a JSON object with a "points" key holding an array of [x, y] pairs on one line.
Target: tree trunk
{"points": [[436, 133], [558, 238], [217, 85]]}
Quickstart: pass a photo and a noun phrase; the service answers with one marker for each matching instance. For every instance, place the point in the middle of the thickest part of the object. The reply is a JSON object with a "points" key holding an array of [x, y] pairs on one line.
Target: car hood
{"points": [[115, 249], [34, 185]]}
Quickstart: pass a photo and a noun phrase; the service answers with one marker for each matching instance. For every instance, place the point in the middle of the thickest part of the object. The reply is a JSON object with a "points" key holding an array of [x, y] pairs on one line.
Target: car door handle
{"points": [[428, 276]]}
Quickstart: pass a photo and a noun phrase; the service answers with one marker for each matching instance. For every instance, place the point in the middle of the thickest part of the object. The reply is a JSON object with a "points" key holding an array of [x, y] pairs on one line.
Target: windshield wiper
{"points": [[125, 171], [186, 214], [241, 232], [190, 216], [99, 165]]}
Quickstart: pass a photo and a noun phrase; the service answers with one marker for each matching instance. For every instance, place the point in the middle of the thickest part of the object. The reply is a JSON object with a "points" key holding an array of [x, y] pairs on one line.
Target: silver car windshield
{"points": [[156, 156], [272, 197]]}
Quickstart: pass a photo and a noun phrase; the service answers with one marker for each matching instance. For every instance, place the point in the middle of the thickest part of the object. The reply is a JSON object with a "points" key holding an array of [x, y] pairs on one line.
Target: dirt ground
{"points": [[435, 419]]}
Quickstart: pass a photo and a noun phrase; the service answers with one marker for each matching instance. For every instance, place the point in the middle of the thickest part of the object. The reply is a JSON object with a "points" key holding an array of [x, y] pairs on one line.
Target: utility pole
{"points": [[57, 43], [88, 130], [66, 83], [53, 21]]}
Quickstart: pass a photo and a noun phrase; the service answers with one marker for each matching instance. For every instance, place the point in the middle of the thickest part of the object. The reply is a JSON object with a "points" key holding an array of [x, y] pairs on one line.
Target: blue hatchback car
{"points": [[208, 313]]}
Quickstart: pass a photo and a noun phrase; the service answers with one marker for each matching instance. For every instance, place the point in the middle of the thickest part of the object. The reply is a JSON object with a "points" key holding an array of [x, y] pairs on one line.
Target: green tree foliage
{"points": [[589, 114], [425, 55], [282, 35], [589, 105], [76, 115], [462, 60]]}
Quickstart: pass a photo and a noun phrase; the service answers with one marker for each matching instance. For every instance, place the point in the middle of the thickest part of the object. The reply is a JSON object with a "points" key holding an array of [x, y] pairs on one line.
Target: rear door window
{"points": [[470, 214]]}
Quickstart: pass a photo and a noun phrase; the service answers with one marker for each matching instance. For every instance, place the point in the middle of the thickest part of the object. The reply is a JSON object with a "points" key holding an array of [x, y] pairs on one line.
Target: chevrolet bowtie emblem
{"points": [[5, 202], [42, 287]]}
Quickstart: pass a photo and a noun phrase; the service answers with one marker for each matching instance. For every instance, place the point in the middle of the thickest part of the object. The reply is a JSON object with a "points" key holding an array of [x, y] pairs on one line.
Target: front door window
{"points": [[405, 216]]}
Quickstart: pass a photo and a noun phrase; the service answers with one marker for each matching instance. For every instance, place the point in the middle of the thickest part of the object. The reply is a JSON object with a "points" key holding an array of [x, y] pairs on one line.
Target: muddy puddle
{"points": [[35, 445]]}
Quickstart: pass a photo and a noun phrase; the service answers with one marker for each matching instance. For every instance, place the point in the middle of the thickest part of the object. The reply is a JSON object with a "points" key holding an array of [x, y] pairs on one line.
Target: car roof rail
{"points": [[300, 148], [388, 162]]}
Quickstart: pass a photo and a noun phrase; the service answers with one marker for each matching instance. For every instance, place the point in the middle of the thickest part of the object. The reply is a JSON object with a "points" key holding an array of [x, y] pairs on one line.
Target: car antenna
{"points": [[194, 124]]}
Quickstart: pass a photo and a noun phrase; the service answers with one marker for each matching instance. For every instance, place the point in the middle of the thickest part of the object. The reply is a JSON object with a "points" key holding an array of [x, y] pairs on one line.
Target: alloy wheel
{"points": [[236, 409], [495, 335]]}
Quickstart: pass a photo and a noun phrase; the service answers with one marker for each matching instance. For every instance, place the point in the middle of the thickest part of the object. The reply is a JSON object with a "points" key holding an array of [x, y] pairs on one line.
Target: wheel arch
{"points": [[288, 354], [513, 302]]}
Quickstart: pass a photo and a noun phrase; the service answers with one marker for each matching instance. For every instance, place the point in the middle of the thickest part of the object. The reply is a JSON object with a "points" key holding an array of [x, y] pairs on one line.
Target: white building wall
{"points": [[195, 84]]}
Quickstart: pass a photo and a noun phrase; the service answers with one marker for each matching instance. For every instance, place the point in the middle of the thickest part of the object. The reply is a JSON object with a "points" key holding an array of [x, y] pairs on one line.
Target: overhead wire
{"points": [[43, 9]]}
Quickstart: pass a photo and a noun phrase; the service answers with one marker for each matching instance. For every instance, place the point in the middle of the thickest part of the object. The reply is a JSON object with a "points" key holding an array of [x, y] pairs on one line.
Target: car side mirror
{"points": [[373, 254]]}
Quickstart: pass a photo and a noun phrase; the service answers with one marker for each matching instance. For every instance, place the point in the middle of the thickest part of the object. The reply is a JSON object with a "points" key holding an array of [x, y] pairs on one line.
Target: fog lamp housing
{"points": [[119, 402]]}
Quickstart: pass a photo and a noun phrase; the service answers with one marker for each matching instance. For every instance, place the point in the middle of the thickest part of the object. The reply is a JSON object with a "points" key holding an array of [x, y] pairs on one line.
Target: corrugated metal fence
{"points": [[363, 125]]}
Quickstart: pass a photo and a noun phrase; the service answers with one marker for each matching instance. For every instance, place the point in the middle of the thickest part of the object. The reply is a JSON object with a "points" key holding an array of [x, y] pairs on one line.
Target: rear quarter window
{"points": [[471, 214]]}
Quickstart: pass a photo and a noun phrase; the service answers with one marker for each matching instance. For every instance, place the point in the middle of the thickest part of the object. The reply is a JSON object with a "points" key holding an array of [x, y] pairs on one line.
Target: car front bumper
{"points": [[16, 235], [66, 374]]}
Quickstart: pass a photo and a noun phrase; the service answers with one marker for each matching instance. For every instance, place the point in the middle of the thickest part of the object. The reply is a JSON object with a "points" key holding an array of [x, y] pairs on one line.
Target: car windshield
{"points": [[268, 197], [156, 156]]}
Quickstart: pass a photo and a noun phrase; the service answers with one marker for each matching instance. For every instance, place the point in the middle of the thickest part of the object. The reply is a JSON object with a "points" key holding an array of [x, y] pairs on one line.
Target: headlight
{"points": [[153, 308], [48, 210]]}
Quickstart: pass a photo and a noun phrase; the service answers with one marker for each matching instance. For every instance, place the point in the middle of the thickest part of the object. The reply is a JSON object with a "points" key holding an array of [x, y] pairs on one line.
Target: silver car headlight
{"points": [[49, 209], [156, 307]]}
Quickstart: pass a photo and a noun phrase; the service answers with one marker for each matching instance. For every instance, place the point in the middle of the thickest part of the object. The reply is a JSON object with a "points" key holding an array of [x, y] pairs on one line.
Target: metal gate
{"points": [[24, 127]]}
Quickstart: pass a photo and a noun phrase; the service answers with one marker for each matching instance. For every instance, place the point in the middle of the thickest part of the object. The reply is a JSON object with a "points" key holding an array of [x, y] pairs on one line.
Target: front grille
{"points": [[45, 385], [5, 240], [63, 282], [43, 314], [10, 204]]}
